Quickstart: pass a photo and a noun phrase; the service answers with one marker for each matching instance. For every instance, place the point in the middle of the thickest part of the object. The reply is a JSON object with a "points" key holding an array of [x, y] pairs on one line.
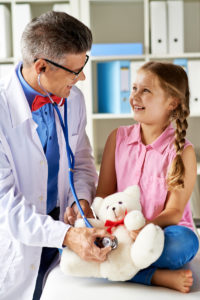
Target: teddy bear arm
{"points": [[134, 220]]}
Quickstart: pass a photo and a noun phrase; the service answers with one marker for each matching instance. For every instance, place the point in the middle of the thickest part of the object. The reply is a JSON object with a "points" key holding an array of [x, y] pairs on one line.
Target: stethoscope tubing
{"points": [[71, 160], [106, 241], [70, 155]]}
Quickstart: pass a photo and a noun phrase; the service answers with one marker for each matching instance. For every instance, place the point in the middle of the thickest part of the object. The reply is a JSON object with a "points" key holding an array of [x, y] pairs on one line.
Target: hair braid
{"points": [[176, 173], [173, 79]]}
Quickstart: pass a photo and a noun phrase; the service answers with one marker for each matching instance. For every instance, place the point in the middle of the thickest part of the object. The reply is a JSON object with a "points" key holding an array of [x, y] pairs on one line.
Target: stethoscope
{"points": [[106, 241]]}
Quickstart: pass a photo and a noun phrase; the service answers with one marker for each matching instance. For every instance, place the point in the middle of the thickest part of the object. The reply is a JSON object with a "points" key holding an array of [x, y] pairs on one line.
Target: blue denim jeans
{"points": [[181, 245]]}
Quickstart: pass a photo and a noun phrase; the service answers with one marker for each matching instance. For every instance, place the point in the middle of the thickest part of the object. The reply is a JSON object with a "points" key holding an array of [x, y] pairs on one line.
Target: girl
{"points": [[157, 157]]}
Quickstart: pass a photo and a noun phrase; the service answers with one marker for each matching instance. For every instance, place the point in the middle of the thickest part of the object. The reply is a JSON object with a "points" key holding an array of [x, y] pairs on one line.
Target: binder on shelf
{"points": [[158, 16], [21, 17], [113, 87], [134, 67], [5, 32], [176, 26], [117, 49], [183, 62], [62, 7], [194, 75]]}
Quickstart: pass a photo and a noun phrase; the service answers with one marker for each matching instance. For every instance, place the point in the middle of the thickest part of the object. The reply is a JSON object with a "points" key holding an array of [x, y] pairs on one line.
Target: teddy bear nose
{"points": [[114, 208]]}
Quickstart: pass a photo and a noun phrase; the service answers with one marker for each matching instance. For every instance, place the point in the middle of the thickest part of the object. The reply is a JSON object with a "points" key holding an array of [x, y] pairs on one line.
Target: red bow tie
{"points": [[112, 224], [39, 101]]}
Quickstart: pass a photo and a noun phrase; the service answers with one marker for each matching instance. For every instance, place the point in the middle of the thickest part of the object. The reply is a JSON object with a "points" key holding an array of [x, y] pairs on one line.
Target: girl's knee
{"points": [[181, 245]]}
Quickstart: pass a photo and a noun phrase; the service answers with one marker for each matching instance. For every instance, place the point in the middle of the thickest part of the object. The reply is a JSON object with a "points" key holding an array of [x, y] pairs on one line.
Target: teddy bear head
{"points": [[116, 206]]}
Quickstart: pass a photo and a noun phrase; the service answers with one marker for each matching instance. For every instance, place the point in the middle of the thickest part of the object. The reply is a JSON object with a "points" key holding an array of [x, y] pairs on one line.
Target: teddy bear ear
{"points": [[96, 204], [131, 190]]}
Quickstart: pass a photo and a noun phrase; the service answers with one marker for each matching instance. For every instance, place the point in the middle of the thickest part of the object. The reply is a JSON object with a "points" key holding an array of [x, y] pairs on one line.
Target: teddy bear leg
{"points": [[148, 246], [72, 264]]}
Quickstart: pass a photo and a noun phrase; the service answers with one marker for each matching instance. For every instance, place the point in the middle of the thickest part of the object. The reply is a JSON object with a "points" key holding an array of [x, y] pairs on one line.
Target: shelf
{"points": [[188, 55], [7, 60], [39, 1], [118, 57], [116, 1], [195, 55]]}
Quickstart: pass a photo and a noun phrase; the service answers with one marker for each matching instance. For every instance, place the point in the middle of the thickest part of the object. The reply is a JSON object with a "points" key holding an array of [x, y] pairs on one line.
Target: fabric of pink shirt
{"points": [[147, 166]]}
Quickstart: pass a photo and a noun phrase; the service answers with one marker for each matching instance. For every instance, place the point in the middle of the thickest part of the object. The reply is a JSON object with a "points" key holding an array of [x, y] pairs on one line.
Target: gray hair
{"points": [[53, 35]]}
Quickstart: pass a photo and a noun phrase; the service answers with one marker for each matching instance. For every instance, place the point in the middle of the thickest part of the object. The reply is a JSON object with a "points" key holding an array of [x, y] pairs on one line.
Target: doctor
{"points": [[34, 185]]}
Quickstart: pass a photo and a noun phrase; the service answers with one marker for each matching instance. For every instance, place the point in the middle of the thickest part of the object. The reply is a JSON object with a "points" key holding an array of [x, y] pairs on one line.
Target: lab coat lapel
{"points": [[19, 108]]}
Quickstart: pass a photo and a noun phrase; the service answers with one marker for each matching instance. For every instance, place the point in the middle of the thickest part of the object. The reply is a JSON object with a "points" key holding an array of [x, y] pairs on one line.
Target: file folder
{"points": [[21, 17], [158, 14], [134, 67], [181, 62], [5, 32], [194, 75], [117, 49], [176, 26], [113, 87]]}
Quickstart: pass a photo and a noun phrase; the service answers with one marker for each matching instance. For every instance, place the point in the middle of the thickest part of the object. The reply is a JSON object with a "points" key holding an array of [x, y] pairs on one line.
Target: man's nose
{"points": [[81, 76]]}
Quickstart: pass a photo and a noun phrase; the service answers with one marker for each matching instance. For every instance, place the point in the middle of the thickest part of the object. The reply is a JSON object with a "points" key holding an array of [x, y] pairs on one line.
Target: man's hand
{"points": [[72, 213], [82, 242]]}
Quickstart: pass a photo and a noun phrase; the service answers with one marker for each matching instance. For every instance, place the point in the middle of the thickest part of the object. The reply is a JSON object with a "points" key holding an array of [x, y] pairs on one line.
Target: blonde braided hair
{"points": [[173, 79]]}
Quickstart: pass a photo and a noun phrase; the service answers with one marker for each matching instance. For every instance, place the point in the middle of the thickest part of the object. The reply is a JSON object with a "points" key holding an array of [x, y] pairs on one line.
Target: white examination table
{"points": [[62, 287]]}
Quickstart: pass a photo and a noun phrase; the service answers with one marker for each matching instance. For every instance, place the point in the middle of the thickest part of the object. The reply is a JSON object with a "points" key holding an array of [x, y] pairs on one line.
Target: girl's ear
{"points": [[173, 103]]}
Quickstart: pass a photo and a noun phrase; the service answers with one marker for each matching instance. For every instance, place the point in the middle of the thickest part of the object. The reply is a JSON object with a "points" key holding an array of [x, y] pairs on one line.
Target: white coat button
{"points": [[41, 198], [32, 266]]}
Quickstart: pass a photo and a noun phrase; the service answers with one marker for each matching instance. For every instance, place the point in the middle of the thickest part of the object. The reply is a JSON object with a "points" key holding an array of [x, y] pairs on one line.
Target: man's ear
{"points": [[40, 66]]}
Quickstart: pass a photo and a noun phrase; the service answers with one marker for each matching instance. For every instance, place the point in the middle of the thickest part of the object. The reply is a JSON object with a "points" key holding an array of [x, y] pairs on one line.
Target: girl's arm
{"points": [[107, 184], [177, 199]]}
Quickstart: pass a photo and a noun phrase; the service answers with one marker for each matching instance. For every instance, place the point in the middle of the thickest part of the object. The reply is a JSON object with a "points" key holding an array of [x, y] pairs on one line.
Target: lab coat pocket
{"points": [[73, 142], [6, 260]]}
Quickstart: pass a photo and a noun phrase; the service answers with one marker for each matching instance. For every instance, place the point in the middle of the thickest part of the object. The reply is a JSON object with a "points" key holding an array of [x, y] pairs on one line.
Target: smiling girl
{"points": [[157, 157]]}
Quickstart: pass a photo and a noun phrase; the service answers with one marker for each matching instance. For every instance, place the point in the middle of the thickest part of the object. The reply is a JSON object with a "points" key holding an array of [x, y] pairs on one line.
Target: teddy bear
{"points": [[119, 213]]}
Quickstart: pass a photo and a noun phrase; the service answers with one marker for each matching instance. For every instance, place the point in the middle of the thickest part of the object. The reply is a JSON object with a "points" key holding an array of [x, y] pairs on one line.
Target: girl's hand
{"points": [[134, 233]]}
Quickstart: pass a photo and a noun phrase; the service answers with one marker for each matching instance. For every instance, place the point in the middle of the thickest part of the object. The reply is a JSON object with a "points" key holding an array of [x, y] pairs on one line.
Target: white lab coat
{"points": [[24, 226]]}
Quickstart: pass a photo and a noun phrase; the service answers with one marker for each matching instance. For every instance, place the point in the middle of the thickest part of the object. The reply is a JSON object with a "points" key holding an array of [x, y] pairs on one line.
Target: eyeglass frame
{"points": [[64, 68]]}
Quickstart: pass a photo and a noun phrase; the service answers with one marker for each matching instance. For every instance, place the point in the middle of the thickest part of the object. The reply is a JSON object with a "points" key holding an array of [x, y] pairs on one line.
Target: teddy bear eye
{"points": [[120, 202]]}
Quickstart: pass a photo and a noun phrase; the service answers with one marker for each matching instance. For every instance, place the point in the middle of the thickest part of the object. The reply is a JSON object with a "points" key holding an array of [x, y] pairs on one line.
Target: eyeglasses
{"points": [[64, 68]]}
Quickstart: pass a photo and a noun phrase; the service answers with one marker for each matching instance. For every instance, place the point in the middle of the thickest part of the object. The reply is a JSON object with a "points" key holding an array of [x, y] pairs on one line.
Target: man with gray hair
{"points": [[36, 204]]}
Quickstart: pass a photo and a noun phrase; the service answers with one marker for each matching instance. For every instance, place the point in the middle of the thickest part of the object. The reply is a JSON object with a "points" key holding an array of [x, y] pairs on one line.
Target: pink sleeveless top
{"points": [[147, 166]]}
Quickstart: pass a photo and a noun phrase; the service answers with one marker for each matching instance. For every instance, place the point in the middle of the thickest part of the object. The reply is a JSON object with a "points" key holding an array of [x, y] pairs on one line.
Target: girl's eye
{"points": [[146, 91], [134, 88]]}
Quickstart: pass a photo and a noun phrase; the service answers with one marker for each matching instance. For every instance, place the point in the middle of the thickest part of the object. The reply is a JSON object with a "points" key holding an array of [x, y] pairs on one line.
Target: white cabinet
{"points": [[130, 21], [21, 12], [116, 21]]}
